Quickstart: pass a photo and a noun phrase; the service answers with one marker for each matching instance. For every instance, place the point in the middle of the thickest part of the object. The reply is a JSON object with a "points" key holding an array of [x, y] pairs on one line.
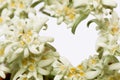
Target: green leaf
{"points": [[36, 3], [83, 15], [93, 20]]}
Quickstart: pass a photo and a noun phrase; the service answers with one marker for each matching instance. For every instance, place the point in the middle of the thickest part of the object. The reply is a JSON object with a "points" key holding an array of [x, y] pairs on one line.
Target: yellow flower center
{"points": [[21, 5], [26, 37], [93, 61], [22, 43], [31, 67], [25, 78], [70, 12], [115, 30], [82, 74], [72, 70], [69, 74], [24, 62], [80, 67], [62, 67], [1, 19], [32, 60], [13, 5], [1, 51]]}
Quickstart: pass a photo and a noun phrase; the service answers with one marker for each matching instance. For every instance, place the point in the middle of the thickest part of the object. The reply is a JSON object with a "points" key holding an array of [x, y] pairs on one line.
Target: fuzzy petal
{"points": [[2, 74], [44, 63], [43, 71], [26, 52], [92, 74], [115, 66], [58, 77]]}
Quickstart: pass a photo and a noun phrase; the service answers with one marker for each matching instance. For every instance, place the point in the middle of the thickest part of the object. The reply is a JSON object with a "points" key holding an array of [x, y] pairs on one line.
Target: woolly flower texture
{"points": [[26, 55]]}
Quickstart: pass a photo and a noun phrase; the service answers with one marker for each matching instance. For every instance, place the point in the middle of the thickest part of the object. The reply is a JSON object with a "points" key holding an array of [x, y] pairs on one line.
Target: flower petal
{"points": [[44, 63], [58, 77], [26, 52], [43, 71], [2, 74], [92, 74], [115, 66]]}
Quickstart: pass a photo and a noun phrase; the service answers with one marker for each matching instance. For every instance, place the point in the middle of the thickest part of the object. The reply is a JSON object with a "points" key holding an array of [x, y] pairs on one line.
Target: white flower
{"points": [[36, 66], [60, 69], [3, 70], [62, 12]]}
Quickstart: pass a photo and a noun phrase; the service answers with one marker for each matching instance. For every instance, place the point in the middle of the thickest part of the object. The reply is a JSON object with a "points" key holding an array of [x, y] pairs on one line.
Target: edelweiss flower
{"points": [[37, 66], [109, 39], [62, 11], [60, 69], [24, 38]]}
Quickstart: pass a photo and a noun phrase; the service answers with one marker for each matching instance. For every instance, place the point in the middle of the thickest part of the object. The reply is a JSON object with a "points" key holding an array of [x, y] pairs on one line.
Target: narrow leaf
{"points": [[83, 16], [36, 3]]}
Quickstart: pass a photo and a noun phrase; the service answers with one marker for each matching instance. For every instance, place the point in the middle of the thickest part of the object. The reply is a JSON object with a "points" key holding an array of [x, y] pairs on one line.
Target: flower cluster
{"points": [[26, 55], [23, 52]]}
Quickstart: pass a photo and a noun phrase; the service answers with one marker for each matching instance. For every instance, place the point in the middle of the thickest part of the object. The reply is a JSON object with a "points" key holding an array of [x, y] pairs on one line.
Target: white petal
{"points": [[46, 39], [3, 68], [115, 66], [2, 74], [9, 48], [43, 71], [26, 52], [92, 74], [40, 24], [44, 63], [19, 50], [40, 77], [78, 3], [65, 61], [109, 3], [60, 20], [58, 77]]}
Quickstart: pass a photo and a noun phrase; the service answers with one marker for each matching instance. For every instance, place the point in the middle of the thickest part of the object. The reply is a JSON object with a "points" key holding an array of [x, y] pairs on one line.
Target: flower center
{"points": [[1, 19], [13, 5], [21, 5], [70, 12], [31, 67], [25, 38], [1, 51], [80, 67]]}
